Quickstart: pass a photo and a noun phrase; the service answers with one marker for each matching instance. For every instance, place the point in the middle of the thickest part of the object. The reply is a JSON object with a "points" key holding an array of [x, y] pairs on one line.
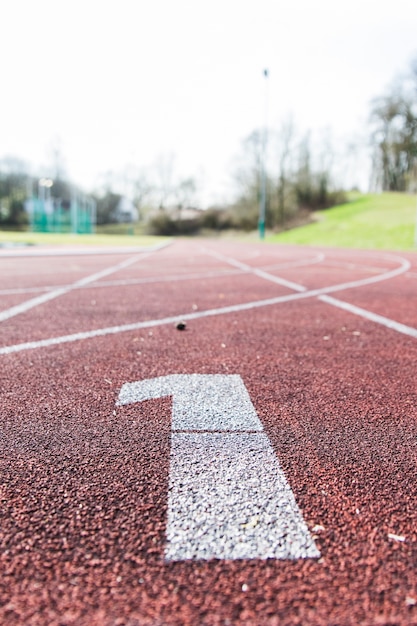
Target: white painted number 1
{"points": [[228, 496]]}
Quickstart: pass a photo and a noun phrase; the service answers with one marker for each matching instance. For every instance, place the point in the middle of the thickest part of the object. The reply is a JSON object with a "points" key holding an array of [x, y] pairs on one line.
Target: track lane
{"points": [[397, 300], [60, 291], [336, 395], [325, 427], [402, 266], [86, 312]]}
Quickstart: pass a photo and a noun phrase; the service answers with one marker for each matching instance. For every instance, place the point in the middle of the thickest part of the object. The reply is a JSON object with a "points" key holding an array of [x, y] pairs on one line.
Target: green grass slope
{"points": [[385, 220]]}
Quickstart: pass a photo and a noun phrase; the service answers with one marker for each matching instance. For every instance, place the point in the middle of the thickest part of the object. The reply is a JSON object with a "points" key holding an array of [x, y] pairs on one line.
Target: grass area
{"points": [[107, 237], [385, 220]]}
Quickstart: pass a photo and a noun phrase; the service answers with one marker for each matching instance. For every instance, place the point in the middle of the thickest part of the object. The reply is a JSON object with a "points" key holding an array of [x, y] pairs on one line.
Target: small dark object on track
{"points": [[181, 326]]}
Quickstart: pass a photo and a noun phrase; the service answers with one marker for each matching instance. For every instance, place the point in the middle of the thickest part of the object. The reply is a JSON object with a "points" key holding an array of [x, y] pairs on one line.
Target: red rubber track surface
{"points": [[84, 483]]}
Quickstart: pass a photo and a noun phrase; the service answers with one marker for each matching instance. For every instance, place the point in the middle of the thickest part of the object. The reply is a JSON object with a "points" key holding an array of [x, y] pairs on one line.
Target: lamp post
{"points": [[46, 210], [45, 185], [262, 199]]}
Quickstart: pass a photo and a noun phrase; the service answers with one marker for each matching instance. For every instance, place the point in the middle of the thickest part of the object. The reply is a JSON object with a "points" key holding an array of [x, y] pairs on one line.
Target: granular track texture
{"points": [[85, 480]]}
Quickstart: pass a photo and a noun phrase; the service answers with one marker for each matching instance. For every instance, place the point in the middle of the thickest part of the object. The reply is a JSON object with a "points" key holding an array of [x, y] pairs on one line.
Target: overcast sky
{"points": [[126, 81]]}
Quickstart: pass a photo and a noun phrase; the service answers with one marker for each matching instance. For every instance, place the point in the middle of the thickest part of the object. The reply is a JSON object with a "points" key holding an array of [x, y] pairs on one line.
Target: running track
{"points": [[260, 470]]}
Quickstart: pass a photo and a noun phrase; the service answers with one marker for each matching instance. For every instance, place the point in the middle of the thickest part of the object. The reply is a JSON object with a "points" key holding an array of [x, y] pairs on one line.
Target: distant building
{"points": [[125, 211]]}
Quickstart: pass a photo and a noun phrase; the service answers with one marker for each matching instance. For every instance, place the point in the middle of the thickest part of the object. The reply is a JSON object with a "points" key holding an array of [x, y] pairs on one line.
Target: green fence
{"points": [[52, 216]]}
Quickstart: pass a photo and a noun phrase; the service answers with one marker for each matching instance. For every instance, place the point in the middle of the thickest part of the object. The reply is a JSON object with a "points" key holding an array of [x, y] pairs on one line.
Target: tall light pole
{"points": [[44, 188], [262, 199]]}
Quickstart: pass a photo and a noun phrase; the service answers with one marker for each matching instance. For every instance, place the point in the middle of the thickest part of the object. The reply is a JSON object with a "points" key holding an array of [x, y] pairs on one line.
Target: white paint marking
{"points": [[252, 270], [114, 330], [237, 308], [368, 315], [39, 252], [396, 537], [168, 278], [225, 400], [228, 496], [51, 295], [385, 275], [125, 282], [25, 290], [355, 266], [318, 258], [379, 319]]}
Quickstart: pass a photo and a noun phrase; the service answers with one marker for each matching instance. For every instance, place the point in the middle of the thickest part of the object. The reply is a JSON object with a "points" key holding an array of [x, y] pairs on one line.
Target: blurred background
{"points": [[187, 112]]}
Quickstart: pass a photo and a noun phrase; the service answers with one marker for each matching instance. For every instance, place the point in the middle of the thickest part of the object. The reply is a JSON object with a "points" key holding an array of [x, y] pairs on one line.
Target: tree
{"points": [[394, 134], [296, 182], [142, 190], [14, 184], [164, 171], [185, 193], [285, 149], [106, 207], [303, 177], [248, 183]]}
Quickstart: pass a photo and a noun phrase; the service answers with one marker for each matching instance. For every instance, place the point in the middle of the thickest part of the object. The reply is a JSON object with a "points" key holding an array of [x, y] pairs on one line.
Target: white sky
{"points": [[128, 81]]}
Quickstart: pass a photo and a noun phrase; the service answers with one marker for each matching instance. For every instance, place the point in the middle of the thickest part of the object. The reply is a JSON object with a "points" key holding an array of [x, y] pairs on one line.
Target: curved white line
{"points": [[403, 267], [319, 258], [159, 279], [253, 270], [125, 282], [100, 332], [33, 251]]}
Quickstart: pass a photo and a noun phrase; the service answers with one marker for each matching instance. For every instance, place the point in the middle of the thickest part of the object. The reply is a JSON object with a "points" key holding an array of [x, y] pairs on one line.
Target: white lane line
{"points": [[355, 266], [374, 317], [403, 267], [25, 290], [234, 308], [126, 282], [114, 330], [228, 496], [167, 278], [368, 315], [319, 258], [247, 268], [35, 252], [51, 295]]}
